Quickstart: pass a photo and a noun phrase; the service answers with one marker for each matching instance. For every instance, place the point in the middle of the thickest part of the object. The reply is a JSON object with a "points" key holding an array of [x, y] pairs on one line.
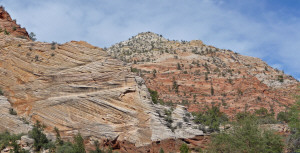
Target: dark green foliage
{"points": [[175, 85], [161, 150], [178, 66], [59, 141], [66, 147], [7, 139], [246, 136], [168, 118], [78, 144], [39, 137], [283, 116], [32, 36], [206, 76], [261, 115], [12, 111], [294, 124], [264, 117], [6, 32], [184, 148], [53, 45], [134, 69], [212, 91], [154, 73], [212, 117], [14, 28], [154, 95], [280, 78], [1, 92]]}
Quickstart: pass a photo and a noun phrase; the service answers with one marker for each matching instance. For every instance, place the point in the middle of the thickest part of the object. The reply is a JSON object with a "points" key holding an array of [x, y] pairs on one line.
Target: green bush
{"points": [[154, 95], [1, 92], [6, 32], [283, 116], [261, 115], [66, 147], [294, 124], [79, 144], [184, 148], [7, 139], [39, 137], [246, 136], [212, 117], [32, 36], [161, 150]]}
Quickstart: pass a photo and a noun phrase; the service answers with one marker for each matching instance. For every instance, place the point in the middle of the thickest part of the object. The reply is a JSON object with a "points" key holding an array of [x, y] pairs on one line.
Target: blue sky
{"points": [[268, 29]]}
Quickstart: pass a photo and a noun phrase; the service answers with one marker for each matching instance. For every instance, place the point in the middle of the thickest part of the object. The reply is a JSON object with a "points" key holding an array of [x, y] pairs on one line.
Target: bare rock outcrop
{"points": [[9, 26], [198, 75], [11, 122], [77, 87]]}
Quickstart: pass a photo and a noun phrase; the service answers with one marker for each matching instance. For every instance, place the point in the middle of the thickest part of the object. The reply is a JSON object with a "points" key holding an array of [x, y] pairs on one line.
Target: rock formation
{"points": [[9, 26], [11, 122], [196, 75], [77, 87]]}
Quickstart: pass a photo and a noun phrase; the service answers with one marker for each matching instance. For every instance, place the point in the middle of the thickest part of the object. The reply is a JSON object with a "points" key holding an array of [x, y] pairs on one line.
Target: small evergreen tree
{"points": [[78, 144], [39, 137], [32, 36]]}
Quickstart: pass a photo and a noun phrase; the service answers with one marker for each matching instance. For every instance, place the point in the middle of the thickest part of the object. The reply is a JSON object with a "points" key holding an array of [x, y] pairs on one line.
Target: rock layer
{"points": [[10, 122], [77, 87], [198, 75]]}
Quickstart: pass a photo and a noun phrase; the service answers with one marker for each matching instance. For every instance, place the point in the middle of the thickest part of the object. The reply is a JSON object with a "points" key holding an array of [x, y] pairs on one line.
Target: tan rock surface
{"points": [[77, 87], [9, 122]]}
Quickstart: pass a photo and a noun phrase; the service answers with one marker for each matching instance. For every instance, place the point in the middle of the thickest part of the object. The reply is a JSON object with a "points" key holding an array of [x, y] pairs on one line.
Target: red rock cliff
{"points": [[9, 26]]}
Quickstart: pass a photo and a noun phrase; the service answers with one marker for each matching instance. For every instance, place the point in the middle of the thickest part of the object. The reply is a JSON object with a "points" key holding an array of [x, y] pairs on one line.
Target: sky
{"points": [[267, 29]]}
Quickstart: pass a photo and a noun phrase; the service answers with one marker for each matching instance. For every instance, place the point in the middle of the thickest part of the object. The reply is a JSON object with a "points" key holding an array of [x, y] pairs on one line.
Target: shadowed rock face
{"points": [[77, 87], [10, 26], [197, 75]]}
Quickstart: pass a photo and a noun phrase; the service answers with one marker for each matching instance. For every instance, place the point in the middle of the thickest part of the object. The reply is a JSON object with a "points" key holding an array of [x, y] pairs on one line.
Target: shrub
{"points": [[161, 150], [79, 144], [6, 32], [53, 45], [1, 92], [212, 117], [154, 95], [32, 36], [178, 66], [39, 137], [246, 136], [294, 124], [12, 111], [280, 78], [66, 147], [184, 148], [134, 69], [7, 139]]}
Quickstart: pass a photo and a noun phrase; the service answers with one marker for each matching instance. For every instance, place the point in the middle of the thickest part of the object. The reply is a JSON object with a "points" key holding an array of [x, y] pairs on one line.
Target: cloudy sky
{"points": [[268, 29]]}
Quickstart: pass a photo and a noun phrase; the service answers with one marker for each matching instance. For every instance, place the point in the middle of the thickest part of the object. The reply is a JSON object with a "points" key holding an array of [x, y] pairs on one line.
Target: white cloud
{"points": [[258, 32]]}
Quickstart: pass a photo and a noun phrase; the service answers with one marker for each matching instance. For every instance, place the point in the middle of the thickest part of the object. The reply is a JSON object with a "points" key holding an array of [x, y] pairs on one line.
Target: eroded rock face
{"points": [[77, 87], [10, 27], [197, 75], [10, 122]]}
